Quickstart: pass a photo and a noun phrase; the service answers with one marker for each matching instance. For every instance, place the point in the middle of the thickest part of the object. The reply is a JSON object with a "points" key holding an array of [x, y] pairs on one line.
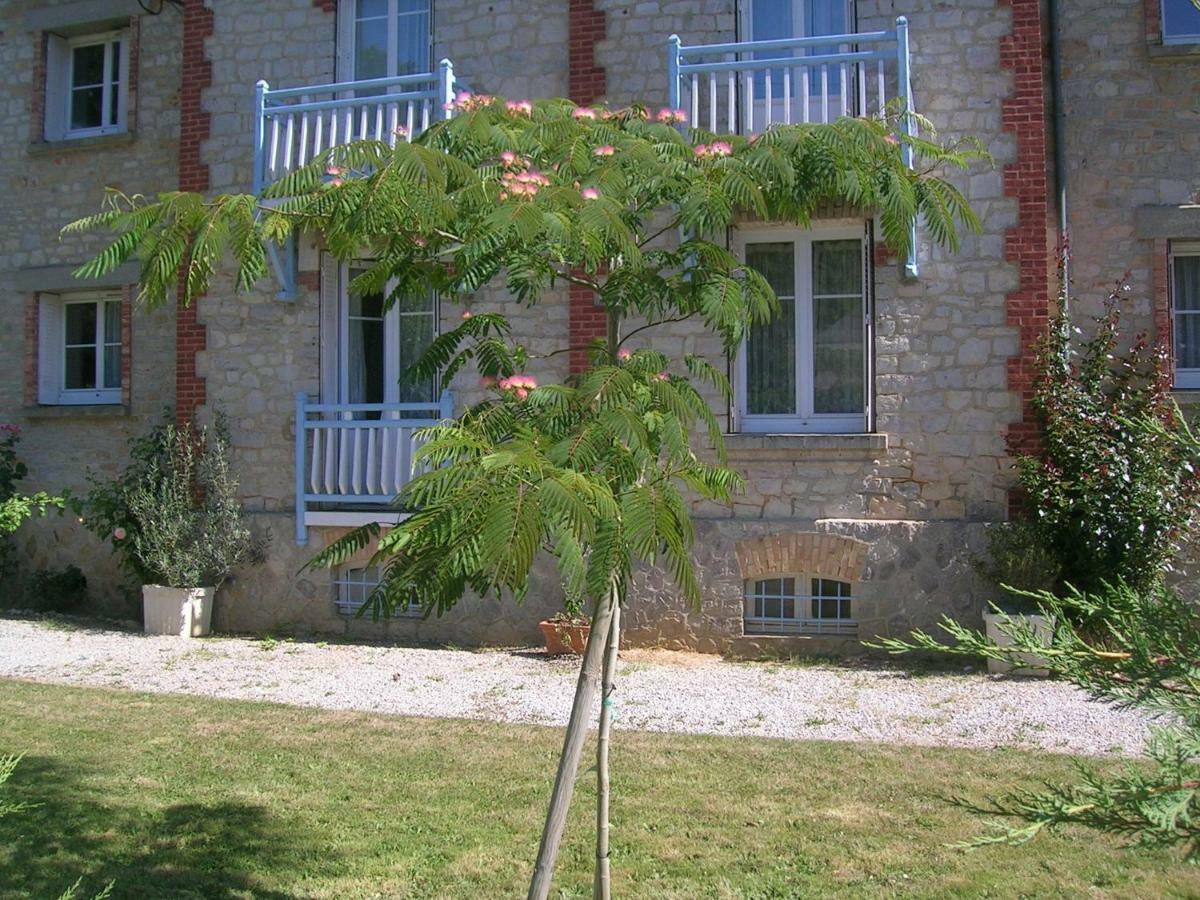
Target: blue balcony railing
{"points": [[748, 86], [293, 125], [352, 459]]}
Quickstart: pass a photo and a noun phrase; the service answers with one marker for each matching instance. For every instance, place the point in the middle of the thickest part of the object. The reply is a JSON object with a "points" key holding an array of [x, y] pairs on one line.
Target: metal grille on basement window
{"points": [[774, 606], [353, 588]]}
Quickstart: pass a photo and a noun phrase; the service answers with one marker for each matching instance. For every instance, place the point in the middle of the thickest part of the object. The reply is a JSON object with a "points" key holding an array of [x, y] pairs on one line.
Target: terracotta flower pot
{"points": [[563, 637]]}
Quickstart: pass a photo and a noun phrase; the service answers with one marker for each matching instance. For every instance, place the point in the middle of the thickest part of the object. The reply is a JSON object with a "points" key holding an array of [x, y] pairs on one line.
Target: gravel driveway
{"points": [[657, 690]]}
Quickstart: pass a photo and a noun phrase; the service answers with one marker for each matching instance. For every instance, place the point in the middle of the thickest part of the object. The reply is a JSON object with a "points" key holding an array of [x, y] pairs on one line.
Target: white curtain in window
{"points": [[1185, 284]]}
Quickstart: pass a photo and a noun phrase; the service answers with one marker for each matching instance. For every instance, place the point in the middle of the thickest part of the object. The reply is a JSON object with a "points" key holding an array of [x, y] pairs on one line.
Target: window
{"points": [[766, 20], [385, 38], [1180, 22], [377, 344], [86, 85], [773, 606], [353, 588], [79, 348], [1184, 271], [806, 369]]}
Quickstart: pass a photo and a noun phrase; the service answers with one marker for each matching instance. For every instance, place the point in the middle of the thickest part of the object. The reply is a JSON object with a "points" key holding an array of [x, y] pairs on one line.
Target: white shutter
{"points": [[330, 306], [50, 348], [57, 66]]}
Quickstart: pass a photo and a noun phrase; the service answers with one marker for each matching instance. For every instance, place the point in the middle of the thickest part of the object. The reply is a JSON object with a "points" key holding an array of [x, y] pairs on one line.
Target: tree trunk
{"points": [[602, 886], [568, 764]]}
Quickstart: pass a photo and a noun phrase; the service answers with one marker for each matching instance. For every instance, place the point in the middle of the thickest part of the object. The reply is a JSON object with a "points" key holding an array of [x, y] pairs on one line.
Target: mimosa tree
{"points": [[595, 472]]}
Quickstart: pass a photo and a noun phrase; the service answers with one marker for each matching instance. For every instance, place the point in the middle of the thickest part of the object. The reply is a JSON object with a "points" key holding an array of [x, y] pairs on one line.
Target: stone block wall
{"points": [[948, 381], [46, 185]]}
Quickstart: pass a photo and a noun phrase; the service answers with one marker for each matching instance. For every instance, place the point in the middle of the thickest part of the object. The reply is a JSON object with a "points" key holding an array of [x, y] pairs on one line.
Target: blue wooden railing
{"points": [[748, 86], [352, 457]]}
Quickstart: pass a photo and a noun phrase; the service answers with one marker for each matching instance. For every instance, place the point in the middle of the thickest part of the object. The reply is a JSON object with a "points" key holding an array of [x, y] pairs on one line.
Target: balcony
{"points": [[352, 459], [749, 86], [294, 125]]}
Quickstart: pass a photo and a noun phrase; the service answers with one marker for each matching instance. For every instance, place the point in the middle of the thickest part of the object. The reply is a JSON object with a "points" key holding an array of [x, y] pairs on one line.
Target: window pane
{"points": [[112, 367], [412, 40], [1186, 283], [80, 373], [114, 79], [372, 8], [370, 49], [837, 267], [87, 107], [88, 68], [837, 356], [1181, 19], [365, 364], [366, 305], [1185, 297], [771, 348], [80, 323], [112, 322], [416, 333]]}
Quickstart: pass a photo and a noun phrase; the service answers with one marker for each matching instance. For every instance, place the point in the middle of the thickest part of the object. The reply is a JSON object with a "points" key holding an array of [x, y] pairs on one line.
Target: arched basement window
{"points": [[798, 604]]}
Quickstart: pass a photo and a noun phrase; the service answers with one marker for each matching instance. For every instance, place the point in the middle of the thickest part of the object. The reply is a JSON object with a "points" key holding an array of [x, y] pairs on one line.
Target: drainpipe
{"points": [[1058, 129]]}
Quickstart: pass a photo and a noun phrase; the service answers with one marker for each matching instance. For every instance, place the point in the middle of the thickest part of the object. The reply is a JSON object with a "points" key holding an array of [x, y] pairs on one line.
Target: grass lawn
{"points": [[189, 797]]}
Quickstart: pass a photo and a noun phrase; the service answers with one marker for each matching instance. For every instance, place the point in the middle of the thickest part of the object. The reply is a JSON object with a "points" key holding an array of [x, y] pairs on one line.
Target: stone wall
{"points": [[1133, 141], [46, 185], [919, 492]]}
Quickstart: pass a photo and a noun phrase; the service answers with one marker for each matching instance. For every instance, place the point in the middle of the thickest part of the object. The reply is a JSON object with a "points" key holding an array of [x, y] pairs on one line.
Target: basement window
{"points": [[353, 589], [782, 606]]}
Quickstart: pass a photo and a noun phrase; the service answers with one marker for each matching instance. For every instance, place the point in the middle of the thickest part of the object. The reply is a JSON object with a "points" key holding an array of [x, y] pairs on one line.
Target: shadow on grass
{"points": [[214, 850]]}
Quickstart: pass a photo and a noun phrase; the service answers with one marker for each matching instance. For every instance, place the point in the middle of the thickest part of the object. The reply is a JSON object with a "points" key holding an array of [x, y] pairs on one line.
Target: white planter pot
{"points": [[184, 612], [1043, 630]]}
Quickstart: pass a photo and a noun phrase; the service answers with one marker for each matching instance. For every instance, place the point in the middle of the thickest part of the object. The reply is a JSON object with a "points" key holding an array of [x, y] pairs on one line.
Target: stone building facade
{"points": [[891, 516]]}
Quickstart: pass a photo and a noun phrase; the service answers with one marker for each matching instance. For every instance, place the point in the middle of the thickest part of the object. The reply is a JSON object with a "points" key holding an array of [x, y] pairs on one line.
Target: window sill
{"points": [[788, 447], [1173, 53], [68, 145], [80, 411]]}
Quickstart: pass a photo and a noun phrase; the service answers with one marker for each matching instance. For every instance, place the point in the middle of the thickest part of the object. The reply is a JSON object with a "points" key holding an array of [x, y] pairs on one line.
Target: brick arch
{"points": [[811, 553]]}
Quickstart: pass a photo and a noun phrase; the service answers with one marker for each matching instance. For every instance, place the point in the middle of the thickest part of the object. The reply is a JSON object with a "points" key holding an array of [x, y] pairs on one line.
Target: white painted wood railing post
{"points": [[673, 101], [445, 87], [301, 469], [260, 132]]}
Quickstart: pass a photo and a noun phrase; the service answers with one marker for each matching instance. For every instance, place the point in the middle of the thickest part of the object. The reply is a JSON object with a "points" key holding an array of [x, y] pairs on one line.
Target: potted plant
{"points": [[175, 519], [565, 632]]}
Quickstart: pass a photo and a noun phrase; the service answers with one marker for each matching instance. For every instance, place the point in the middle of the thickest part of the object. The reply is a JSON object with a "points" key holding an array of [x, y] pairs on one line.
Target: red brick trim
{"points": [[1027, 244], [329, 6], [131, 89], [586, 83], [1152, 12], [191, 337], [587, 322], [32, 315], [37, 97], [1160, 284], [128, 293]]}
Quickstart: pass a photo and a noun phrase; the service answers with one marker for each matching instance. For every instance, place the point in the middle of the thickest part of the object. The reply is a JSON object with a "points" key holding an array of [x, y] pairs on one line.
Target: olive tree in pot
{"points": [[175, 519]]}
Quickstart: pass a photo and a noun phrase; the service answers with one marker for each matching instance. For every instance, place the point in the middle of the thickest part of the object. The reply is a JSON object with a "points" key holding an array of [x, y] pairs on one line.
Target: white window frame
{"points": [[347, 34], [52, 347], [1169, 39], [805, 421], [359, 580], [1185, 379], [335, 340], [60, 65], [806, 624]]}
